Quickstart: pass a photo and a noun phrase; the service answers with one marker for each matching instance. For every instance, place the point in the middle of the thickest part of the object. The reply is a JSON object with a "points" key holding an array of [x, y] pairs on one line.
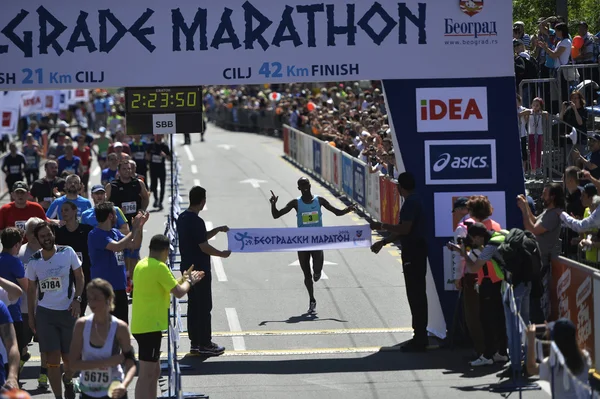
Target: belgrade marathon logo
{"points": [[470, 32], [452, 109], [243, 238]]}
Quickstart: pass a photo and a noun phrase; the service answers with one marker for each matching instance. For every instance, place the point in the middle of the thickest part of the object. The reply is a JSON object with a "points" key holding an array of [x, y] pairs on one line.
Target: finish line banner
{"points": [[299, 239], [73, 44]]}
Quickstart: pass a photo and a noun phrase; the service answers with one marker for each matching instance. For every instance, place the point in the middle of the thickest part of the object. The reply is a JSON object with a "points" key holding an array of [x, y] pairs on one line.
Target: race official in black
{"points": [[409, 233]]}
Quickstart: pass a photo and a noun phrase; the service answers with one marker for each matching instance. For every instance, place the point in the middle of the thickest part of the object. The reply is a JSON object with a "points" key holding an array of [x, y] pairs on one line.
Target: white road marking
{"points": [[234, 325], [194, 168], [96, 171], [219, 270], [189, 153], [253, 182], [209, 227], [323, 275]]}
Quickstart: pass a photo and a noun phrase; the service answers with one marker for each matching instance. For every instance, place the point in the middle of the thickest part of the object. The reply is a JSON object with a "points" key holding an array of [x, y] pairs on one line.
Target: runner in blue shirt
{"points": [[12, 270], [72, 189], [9, 339], [99, 197], [106, 245], [69, 162]]}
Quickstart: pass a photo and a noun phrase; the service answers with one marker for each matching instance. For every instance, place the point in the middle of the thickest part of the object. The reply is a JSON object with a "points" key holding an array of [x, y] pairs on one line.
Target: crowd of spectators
{"points": [[351, 116], [560, 112]]}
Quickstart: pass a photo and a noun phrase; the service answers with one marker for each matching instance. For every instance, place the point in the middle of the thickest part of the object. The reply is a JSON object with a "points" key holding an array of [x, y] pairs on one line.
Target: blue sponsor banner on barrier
{"points": [[347, 176], [359, 182], [317, 157]]}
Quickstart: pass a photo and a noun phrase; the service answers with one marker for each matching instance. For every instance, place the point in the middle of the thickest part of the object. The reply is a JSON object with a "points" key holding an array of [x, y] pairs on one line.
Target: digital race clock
{"points": [[163, 100]]}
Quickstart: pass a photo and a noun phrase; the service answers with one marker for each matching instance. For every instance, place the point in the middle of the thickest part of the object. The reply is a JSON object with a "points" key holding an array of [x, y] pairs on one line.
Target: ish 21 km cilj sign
{"points": [[446, 69]]}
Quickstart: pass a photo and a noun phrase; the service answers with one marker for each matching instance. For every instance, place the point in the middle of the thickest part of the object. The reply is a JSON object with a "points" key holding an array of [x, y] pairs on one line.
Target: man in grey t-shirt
{"points": [[546, 229]]}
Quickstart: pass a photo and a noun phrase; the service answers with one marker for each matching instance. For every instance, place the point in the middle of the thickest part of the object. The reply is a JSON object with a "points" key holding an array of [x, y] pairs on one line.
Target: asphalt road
{"points": [[274, 349]]}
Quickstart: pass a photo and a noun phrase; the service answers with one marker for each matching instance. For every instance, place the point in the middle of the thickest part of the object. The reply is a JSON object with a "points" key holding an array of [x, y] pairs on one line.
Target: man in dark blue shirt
{"points": [[106, 245], [410, 231], [196, 251], [12, 269]]}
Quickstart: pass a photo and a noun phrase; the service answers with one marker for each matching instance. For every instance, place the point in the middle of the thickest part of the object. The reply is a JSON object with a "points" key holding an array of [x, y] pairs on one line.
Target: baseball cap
{"points": [[521, 23], [102, 129], [98, 187], [594, 136], [460, 203], [20, 185], [117, 144]]}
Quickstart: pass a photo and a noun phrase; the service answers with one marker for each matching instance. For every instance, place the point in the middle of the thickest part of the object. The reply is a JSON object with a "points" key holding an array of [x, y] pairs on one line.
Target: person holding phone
{"points": [[482, 260], [577, 361]]}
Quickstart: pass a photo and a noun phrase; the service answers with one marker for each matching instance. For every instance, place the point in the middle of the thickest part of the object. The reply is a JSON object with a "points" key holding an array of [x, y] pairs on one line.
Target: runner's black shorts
{"points": [[149, 346]]}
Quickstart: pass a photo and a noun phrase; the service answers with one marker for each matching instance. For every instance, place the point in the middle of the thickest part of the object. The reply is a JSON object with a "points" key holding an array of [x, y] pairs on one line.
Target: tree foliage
{"points": [[529, 11]]}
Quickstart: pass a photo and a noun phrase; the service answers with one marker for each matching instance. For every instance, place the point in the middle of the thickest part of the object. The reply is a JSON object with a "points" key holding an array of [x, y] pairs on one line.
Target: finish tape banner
{"points": [[299, 239]]}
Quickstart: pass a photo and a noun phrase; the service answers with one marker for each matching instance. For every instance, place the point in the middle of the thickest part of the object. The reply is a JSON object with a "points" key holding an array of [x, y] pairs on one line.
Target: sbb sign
{"points": [[457, 109]]}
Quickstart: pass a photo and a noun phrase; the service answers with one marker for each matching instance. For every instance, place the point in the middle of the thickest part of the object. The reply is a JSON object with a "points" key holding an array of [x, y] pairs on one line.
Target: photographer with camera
{"points": [[480, 251], [476, 209]]}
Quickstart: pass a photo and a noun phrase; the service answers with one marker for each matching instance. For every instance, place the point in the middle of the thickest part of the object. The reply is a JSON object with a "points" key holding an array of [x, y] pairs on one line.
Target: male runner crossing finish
{"points": [[308, 209]]}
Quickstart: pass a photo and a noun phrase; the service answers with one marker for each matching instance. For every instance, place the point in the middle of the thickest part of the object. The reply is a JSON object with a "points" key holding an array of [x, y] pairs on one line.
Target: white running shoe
{"points": [[498, 358], [482, 361]]}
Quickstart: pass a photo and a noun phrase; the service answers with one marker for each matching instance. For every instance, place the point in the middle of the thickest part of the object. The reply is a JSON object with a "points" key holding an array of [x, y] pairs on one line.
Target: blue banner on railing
{"points": [[347, 176], [358, 169], [317, 156]]}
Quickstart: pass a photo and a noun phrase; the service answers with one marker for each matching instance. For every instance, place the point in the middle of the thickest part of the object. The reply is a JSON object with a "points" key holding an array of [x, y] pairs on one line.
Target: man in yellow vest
{"points": [[481, 259]]}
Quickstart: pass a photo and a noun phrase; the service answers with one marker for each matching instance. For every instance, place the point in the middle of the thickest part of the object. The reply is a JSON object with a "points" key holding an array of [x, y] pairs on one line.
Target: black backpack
{"points": [[520, 255], [531, 68]]}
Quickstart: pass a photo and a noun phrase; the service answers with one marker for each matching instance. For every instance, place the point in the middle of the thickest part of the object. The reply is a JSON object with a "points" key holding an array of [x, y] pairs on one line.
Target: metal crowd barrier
{"points": [[557, 147], [174, 388]]}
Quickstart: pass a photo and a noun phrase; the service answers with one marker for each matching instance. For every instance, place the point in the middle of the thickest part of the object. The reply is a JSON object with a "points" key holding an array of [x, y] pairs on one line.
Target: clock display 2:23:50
{"points": [[165, 100]]}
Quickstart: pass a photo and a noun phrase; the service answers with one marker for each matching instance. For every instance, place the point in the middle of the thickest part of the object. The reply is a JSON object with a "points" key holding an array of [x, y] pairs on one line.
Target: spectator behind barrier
{"points": [[577, 361]]}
